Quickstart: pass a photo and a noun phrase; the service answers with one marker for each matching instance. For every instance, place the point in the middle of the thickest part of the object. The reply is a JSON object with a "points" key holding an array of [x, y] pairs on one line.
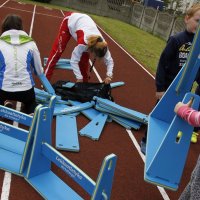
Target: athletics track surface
{"points": [[138, 94]]}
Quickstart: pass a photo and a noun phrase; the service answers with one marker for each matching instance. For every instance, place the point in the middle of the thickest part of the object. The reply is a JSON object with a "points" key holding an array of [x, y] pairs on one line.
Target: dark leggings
{"points": [[26, 97]]}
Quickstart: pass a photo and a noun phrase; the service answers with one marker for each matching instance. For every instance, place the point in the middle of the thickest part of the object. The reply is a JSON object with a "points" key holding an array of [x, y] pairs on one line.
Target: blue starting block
{"points": [[48, 184], [61, 64], [165, 158], [16, 143]]}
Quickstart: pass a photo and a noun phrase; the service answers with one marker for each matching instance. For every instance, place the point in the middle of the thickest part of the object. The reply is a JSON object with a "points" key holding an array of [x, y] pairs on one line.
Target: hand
{"points": [[159, 94], [180, 104], [107, 80], [177, 106], [79, 80]]}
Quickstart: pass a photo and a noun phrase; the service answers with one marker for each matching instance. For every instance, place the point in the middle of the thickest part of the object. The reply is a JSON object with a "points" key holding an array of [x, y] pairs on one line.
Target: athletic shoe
{"points": [[193, 138], [8, 104]]}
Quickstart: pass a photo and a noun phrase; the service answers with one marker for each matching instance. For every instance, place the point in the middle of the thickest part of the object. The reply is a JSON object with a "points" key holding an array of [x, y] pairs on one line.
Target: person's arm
{"points": [[75, 59], [164, 66], [109, 64], [36, 64], [190, 115]]}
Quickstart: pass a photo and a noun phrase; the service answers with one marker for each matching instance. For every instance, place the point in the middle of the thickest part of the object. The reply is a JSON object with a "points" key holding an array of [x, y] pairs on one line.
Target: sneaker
{"points": [[143, 147], [193, 138], [8, 104]]}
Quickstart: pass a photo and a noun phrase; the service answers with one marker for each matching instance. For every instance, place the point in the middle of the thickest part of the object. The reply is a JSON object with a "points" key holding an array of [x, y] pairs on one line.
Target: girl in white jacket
{"points": [[19, 56]]}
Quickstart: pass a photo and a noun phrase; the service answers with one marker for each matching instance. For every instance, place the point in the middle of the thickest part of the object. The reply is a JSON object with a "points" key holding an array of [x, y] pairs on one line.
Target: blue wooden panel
{"points": [[66, 133], [13, 131], [94, 128], [52, 187], [10, 161], [90, 113], [121, 111], [11, 144], [61, 108], [69, 168], [46, 84], [133, 124], [76, 108], [15, 116], [166, 156], [105, 178]]}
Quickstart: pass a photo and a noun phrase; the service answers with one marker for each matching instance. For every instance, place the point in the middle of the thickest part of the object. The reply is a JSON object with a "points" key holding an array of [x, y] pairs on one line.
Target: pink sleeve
{"points": [[190, 115]]}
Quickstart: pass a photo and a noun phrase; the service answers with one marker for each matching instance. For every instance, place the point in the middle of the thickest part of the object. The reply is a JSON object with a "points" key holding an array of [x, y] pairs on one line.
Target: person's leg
{"points": [[58, 47], [28, 99], [84, 66]]}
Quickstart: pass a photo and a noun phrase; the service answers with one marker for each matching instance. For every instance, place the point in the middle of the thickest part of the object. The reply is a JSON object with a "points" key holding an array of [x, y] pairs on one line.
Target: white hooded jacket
{"points": [[19, 56]]}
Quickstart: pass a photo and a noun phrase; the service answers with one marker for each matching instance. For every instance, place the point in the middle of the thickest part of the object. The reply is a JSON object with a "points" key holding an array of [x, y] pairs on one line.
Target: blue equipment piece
{"points": [[112, 85], [66, 133], [16, 143], [60, 108], [166, 159], [61, 64], [126, 123], [74, 109], [161, 118], [48, 87], [95, 127], [90, 113], [116, 109], [49, 185], [45, 94]]}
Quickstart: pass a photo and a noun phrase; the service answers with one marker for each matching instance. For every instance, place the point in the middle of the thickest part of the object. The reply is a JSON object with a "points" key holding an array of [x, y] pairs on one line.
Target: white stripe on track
{"points": [[7, 177], [137, 146], [4, 3]]}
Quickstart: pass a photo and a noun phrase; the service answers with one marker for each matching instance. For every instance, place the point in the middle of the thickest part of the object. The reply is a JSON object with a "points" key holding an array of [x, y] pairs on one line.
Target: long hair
{"points": [[97, 46], [192, 10], [11, 22]]}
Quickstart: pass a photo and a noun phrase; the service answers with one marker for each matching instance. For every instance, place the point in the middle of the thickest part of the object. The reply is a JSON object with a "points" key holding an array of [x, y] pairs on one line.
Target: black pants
{"points": [[26, 97]]}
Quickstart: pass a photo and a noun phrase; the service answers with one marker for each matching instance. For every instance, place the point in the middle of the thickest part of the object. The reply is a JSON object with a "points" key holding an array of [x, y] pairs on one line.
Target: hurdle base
{"points": [[57, 189], [161, 182], [13, 149]]}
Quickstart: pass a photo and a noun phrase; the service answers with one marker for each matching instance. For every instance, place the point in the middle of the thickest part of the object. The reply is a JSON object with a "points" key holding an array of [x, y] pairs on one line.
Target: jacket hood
{"points": [[15, 37]]}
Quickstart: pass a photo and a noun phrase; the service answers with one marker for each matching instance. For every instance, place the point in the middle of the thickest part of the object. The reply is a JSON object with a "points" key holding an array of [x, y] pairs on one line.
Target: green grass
{"points": [[143, 46]]}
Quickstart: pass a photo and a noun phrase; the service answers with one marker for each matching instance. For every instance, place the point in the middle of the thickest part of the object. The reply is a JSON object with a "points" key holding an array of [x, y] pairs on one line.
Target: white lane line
{"points": [[4, 3], [127, 53], [137, 146], [32, 11], [32, 21], [6, 186]]}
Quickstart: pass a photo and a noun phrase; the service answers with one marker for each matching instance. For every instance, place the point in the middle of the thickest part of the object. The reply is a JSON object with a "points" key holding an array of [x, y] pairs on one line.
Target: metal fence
{"points": [[149, 19]]}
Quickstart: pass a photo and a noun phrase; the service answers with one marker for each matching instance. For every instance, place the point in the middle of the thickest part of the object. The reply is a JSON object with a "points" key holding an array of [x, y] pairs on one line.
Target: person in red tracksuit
{"points": [[89, 42]]}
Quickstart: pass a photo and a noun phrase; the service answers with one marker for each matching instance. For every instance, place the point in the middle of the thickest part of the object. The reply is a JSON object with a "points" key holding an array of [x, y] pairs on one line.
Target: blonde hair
{"points": [[97, 45], [192, 10]]}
